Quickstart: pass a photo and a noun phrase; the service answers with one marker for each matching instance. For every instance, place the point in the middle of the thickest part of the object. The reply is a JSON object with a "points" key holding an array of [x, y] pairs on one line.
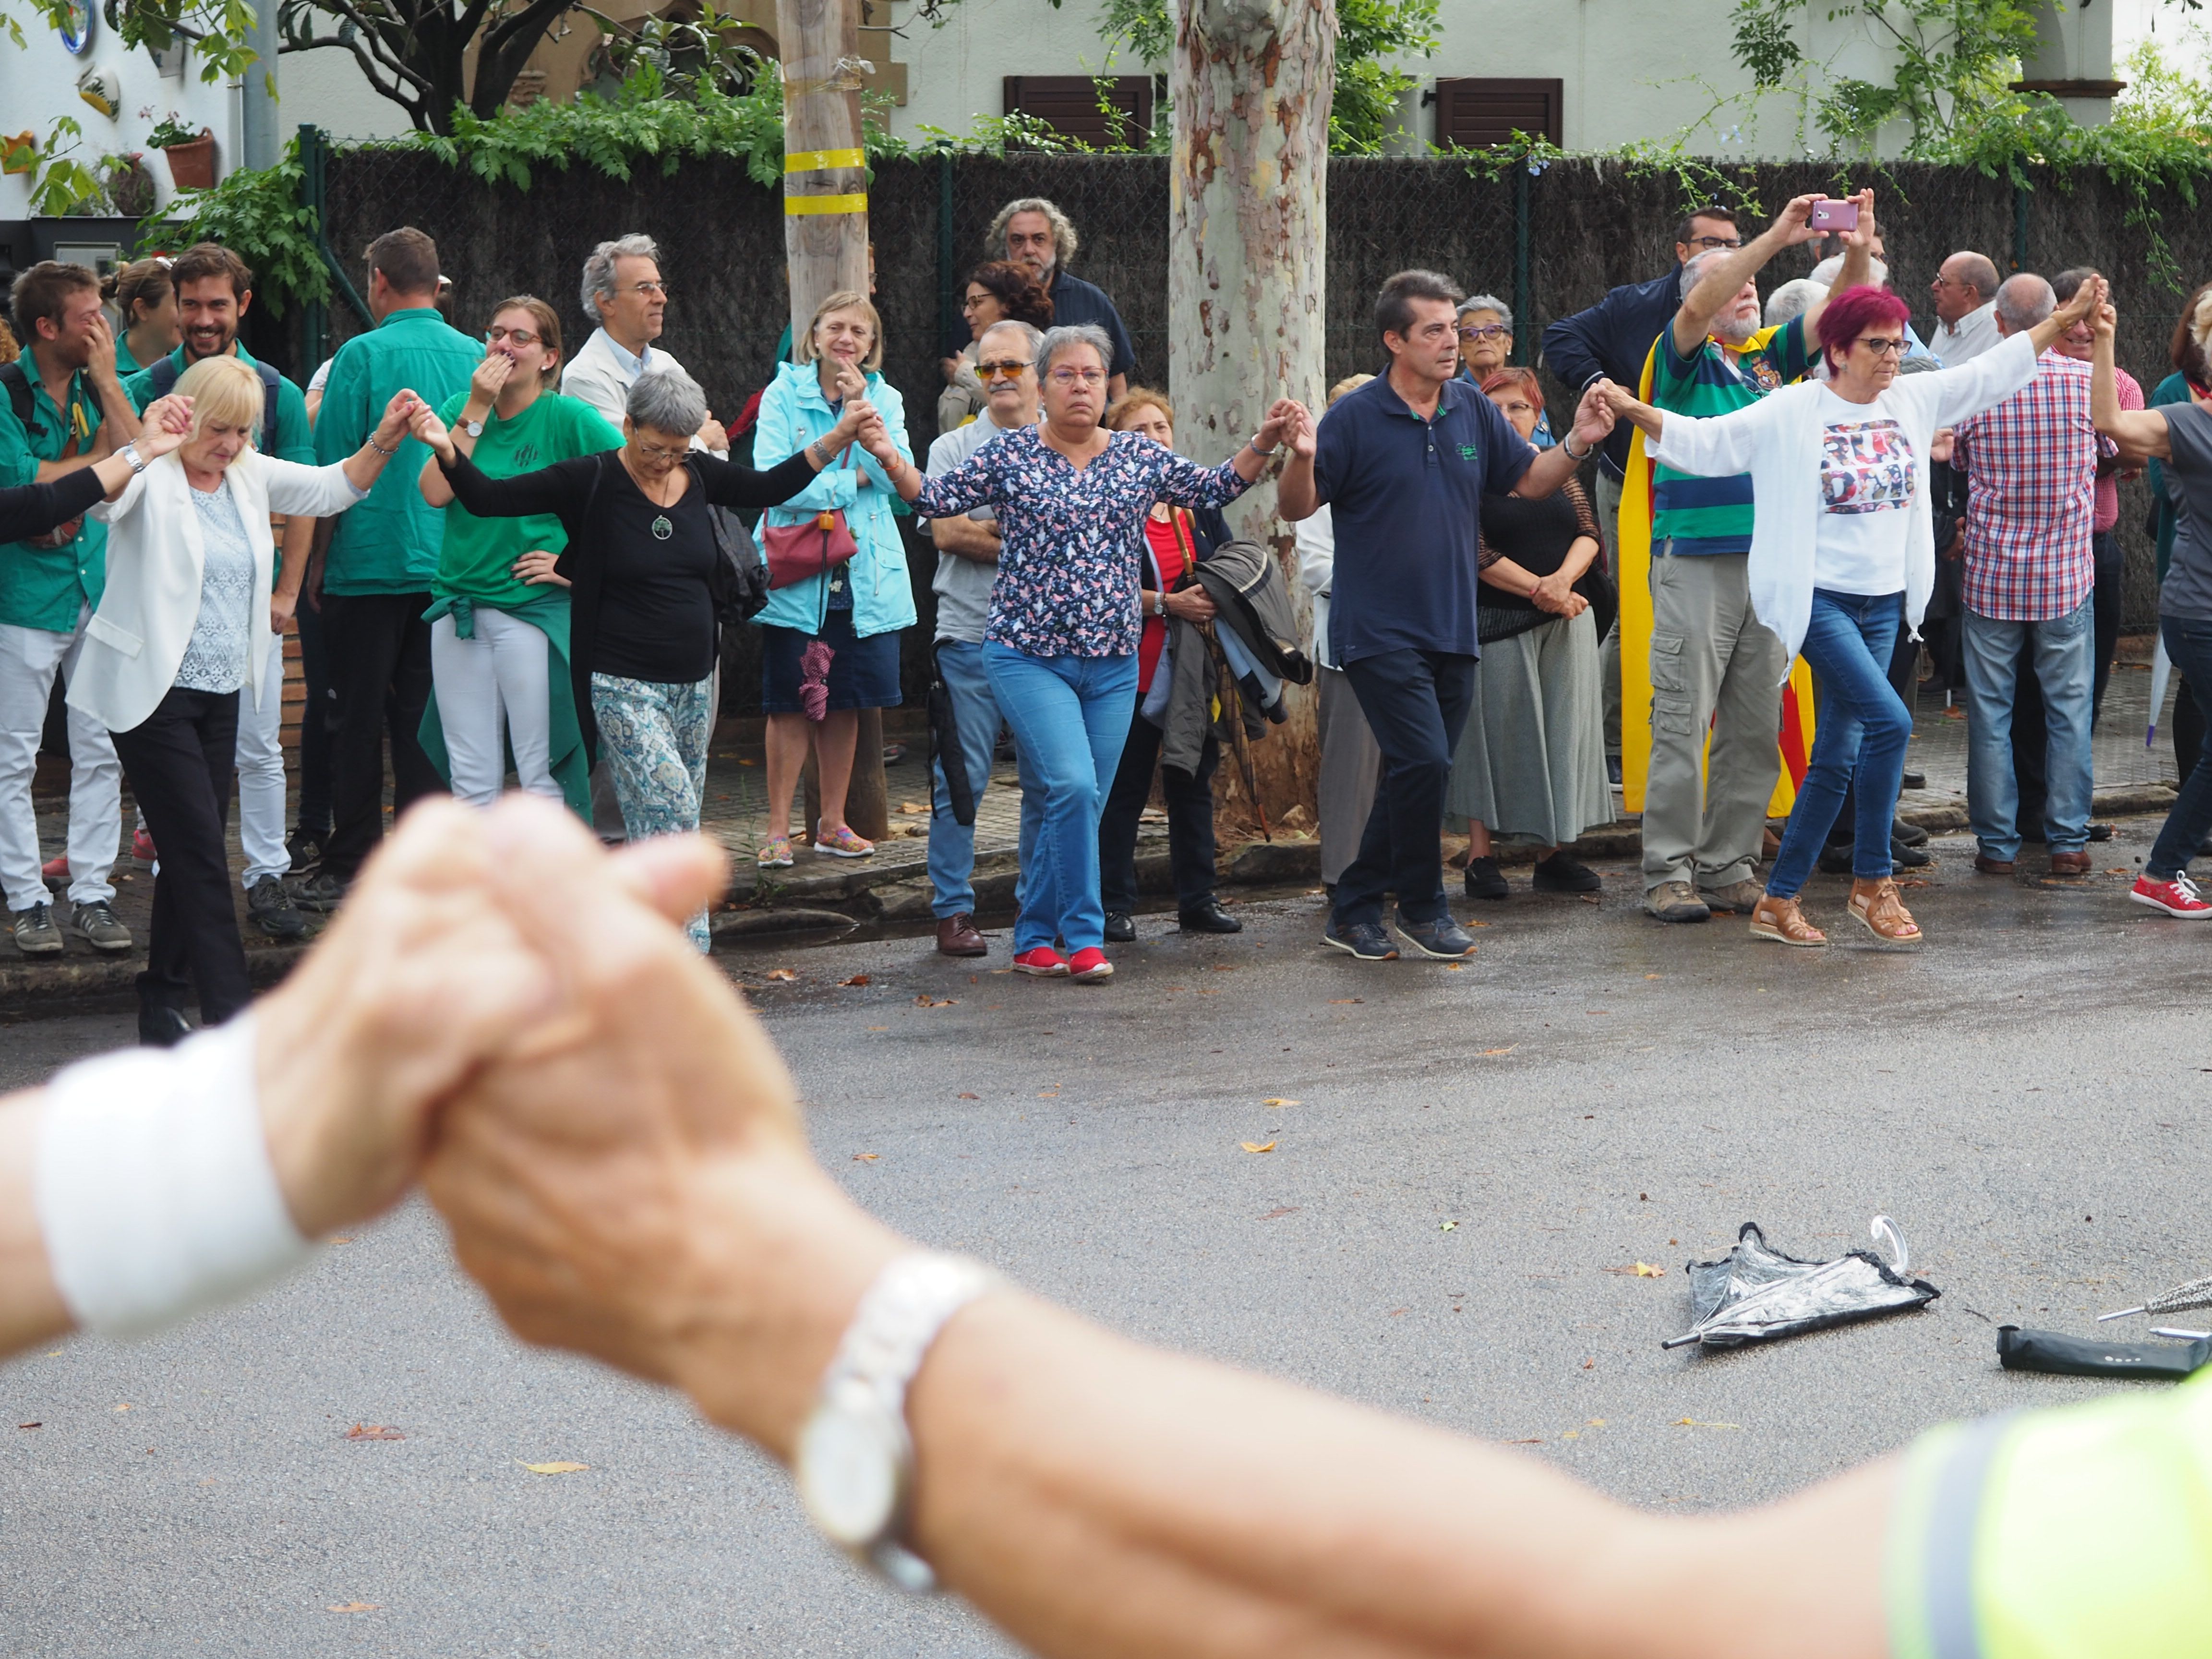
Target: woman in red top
{"points": [[1175, 538]]}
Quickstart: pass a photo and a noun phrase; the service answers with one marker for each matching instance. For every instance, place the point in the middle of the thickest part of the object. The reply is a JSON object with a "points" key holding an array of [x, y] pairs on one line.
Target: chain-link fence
{"points": [[1549, 244]]}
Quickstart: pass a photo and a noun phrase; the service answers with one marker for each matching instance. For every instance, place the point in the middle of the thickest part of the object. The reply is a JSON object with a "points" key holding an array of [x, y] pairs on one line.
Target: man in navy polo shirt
{"points": [[1403, 464]]}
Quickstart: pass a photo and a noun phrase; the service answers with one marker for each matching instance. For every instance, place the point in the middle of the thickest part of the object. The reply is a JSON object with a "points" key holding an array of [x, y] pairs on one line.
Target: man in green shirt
{"points": [[383, 555], [214, 289], [1717, 670], [65, 381]]}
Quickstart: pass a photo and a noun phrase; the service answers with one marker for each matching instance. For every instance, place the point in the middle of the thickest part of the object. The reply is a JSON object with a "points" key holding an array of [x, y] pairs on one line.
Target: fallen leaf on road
{"points": [[1532, 1440], [30, 1425], [555, 1469], [1597, 1422], [1277, 1100], [123, 1408], [1448, 1227], [1590, 898], [1223, 968], [879, 1027], [343, 1238], [1342, 1001], [865, 1158], [1639, 1270], [782, 973], [1492, 1053], [373, 1432], [1395, 1312], [857, 979], [914, 809], [1572, 1434], [1590, 1365], [1257, 1145], [1693, 1422], [1279, 1210], [925, 1000], [1651, 976], [964, 1095], [1048, 1094], [371, 1607], [1454, 966]]}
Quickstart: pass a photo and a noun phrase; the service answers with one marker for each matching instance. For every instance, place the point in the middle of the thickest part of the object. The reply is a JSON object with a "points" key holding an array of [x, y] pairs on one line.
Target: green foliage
{"points": [[216, 29], [258, 213], [170, 131], [60, 182]]}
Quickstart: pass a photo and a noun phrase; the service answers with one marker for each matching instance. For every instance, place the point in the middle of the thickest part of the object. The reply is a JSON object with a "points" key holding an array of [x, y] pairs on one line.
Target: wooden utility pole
{"points": [[825, 243], [1248, 235]]}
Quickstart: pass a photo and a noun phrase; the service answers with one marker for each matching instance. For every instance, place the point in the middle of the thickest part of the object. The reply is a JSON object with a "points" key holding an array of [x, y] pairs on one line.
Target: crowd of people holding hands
{"points": [[540, 587]]}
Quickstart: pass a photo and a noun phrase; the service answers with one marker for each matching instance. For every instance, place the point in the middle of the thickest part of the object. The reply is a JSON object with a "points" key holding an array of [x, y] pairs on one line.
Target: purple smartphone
{"points": [[1834, 215]]}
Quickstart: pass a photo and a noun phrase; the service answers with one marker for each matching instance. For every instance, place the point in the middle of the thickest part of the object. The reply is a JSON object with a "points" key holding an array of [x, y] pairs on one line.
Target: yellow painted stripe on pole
{"points": [[821, 160], [802, 204]]}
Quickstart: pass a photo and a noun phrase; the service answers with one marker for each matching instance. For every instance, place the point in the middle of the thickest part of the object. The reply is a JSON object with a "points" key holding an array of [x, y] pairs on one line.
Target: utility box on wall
{"points": [[1476, 113]]}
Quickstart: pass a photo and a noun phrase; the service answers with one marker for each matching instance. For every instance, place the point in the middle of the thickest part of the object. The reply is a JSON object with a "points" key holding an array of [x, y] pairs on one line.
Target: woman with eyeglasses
{"points": [[643, 572], [1061, 647], [998, 292], [499, 618], [853, 612], [1842, 543], [1486, 341]]}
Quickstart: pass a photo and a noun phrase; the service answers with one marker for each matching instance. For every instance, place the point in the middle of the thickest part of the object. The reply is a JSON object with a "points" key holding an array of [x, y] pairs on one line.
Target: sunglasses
{"points": [[1005, 371]]}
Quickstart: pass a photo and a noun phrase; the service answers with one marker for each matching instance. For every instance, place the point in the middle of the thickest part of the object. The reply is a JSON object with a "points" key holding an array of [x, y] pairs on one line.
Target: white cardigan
{"points": [[1778, 440], [136, 640]]}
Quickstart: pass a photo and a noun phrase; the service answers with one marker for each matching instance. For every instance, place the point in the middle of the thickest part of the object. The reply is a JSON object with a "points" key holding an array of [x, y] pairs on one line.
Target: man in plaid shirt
{"points": [[2032, 473]]}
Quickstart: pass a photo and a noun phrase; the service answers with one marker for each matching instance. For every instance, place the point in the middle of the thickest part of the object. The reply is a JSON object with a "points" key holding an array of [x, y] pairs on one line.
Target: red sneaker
{"points": [[1089, 963], [1043, 961], [55, 871], [141, 850], [2177, 897]]}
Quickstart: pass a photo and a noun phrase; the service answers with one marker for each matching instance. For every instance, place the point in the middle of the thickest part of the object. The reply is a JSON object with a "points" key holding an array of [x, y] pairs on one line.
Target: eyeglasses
{"points": [[1005, 371], [975, 300], [1714, 242], [1882, 347], [1487, 331], [521, 337], [653, 452], [1065, 378], [661, 289]]}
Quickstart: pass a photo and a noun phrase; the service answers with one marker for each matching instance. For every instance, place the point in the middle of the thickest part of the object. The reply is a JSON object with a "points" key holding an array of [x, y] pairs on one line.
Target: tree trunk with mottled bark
{"points": [[825, 242], [1251, 83]]}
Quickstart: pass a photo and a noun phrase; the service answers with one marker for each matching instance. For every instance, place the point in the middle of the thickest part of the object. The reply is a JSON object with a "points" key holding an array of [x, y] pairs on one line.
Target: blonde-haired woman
{"points": [[499, 614], [852, 613], [183, 624]]}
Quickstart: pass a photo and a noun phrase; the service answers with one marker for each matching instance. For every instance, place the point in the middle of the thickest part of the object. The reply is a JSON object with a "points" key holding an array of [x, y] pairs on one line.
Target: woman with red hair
{"points": [[1841, 545]]}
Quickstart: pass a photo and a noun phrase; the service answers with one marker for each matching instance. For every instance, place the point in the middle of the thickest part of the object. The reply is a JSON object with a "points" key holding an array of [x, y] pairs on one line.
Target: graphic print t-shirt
{"points": [[1868, 476]]}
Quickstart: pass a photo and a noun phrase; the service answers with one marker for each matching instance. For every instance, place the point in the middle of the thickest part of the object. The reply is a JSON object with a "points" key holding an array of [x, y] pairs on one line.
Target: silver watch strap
{"points": [[899, 1316]]}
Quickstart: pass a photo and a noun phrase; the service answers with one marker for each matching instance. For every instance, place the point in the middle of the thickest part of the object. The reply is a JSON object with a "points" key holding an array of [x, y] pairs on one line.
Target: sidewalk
{"points": [[893, 885]]}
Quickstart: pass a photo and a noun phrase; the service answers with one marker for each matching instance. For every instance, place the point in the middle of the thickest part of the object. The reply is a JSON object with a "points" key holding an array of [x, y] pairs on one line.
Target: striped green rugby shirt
{"points": [[1713, 515]]}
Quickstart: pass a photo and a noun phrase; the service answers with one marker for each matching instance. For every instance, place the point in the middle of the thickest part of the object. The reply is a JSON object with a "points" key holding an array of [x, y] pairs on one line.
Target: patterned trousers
{"points": [[653, 736]]}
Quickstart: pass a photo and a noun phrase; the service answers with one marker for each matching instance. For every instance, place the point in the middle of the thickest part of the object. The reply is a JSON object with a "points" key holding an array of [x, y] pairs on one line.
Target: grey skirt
{"points": [[1531, 763]]}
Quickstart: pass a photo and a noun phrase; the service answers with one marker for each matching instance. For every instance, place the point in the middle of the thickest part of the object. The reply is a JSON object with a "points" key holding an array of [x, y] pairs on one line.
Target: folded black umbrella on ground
{"points": [[2080, 1356], [1755, 1293]]}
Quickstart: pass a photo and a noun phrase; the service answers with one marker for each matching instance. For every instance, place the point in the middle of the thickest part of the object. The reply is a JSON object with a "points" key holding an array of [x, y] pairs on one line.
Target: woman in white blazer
{"points": [[183, 623], [1842, 544]]}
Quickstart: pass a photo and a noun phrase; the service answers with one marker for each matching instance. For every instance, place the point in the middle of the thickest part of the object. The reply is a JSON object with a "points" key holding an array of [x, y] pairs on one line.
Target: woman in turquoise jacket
{"points": [[832, 640]]}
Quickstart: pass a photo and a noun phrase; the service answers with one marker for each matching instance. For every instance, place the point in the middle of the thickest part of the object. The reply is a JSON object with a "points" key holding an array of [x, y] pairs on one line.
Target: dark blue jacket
{"points": [[1612, 338]]}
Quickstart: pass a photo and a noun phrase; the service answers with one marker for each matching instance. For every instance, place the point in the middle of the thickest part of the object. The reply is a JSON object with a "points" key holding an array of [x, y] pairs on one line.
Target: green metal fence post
{"points": [[948, 303], [315, 316], [314, 164], [1522, 322], [2019, 227]]}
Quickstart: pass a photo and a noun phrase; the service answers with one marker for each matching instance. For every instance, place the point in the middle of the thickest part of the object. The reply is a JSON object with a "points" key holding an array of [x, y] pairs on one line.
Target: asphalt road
{"points": [[1592, 1090]]}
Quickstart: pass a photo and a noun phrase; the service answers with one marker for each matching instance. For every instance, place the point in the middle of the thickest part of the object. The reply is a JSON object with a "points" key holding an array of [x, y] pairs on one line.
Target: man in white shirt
{"points": [[967, 566], [1965, 290], [624, 295]]}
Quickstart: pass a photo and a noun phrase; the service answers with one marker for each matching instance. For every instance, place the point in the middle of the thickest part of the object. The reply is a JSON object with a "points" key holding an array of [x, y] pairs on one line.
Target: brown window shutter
{"points": [[1473, 114], [1068, 104]]}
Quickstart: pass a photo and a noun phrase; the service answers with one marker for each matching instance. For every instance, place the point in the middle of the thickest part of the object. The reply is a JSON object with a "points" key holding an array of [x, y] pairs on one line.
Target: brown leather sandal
{"points": [[1876, 906], [1781, 920]]}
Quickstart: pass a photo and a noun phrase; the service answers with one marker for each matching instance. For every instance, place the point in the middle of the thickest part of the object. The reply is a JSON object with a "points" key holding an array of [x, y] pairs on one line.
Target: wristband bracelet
{"points": [[153, 1185], [371, 441], [1567, 443]]}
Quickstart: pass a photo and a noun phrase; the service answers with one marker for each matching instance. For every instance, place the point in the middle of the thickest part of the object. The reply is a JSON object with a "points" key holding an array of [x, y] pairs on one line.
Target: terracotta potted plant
{"points": [[190, 154], [19, 152], [130, 186]]}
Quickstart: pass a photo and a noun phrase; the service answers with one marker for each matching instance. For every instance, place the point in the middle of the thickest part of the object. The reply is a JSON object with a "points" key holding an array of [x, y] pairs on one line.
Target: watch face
{"points": [[848, 1474]]}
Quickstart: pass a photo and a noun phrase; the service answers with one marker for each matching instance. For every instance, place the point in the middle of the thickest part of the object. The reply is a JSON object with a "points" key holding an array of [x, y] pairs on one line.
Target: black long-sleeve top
{"points": [[33, 509], [1612, 338], [641, 606]]}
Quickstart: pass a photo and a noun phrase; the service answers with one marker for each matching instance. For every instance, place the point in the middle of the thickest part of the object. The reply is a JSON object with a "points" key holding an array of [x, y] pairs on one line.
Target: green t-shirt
{"points": [[1713, 515], [48, 587], [296, 437], [389, 541], [480, 553], [126, 364]]}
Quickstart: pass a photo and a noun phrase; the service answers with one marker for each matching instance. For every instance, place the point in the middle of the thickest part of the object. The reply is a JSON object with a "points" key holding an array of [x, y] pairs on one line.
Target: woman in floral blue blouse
{"points": [[1061, 647]]}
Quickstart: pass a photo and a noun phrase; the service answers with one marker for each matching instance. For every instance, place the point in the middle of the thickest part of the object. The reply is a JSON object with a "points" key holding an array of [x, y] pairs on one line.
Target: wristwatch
{"points": [[474, 428], [855, 1457], [130, 454]]}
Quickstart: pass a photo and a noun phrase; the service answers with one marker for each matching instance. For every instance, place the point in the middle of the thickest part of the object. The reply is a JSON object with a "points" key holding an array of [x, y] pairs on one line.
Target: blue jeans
{"points": [[2065, 670], [1070, 716], [952, 843], [2189, 642], [1858, 743]]}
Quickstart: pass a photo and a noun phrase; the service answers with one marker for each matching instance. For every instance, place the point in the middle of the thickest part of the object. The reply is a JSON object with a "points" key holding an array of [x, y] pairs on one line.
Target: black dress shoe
{"points": [[2101, 832], [161, 1026], [1916, 780], [1904, 857], [1561, 874], [1485, 880], [1208, 918], [1911, 834], [1121, 928]]}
